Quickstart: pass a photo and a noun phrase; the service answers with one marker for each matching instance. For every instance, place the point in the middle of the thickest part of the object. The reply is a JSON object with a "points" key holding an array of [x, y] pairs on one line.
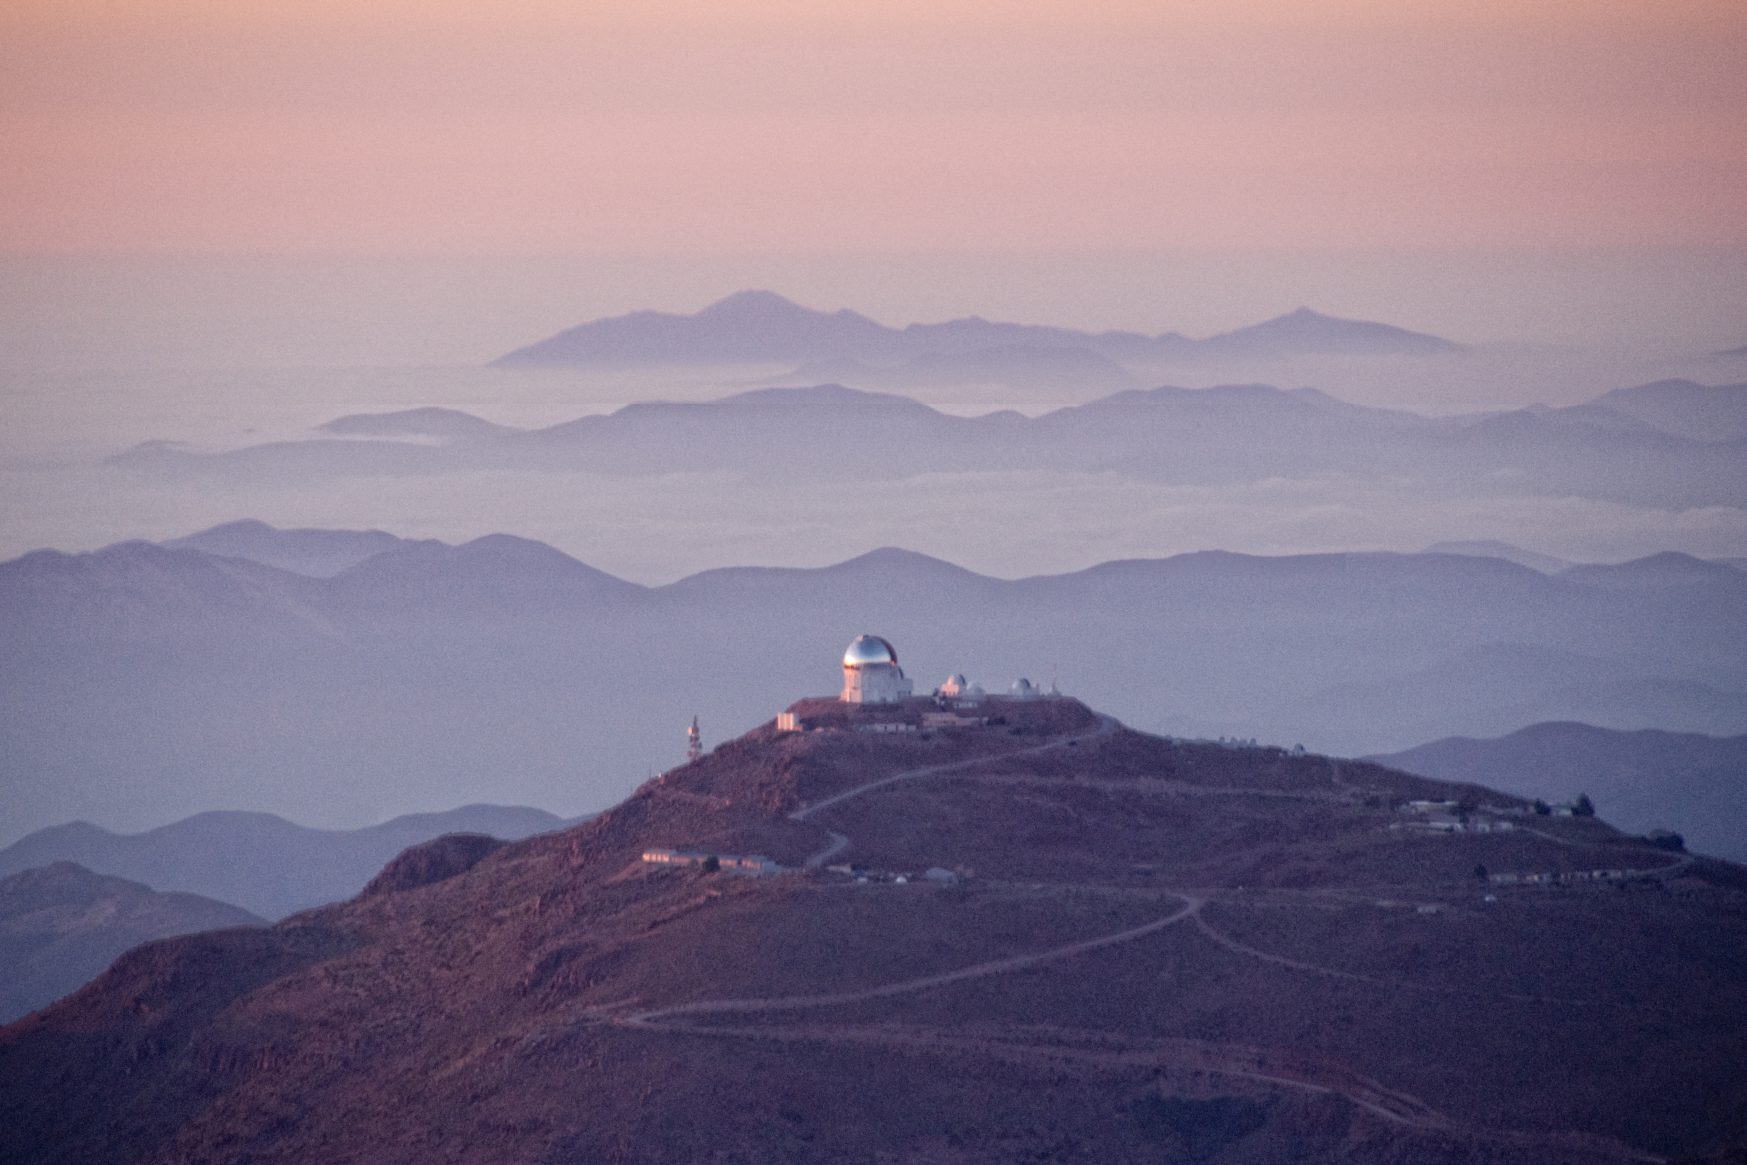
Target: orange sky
{"points": [[685, 126]]}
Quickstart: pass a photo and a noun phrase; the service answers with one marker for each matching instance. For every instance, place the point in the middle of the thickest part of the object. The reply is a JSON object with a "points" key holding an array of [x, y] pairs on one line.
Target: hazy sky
{"points": [[770, 126]]}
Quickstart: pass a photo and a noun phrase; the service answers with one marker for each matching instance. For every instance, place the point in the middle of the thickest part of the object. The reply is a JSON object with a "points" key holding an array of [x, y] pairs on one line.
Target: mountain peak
{"points": [[1303, 331], [1668, 567], [754, 300], [890, 558], [825, 396]]}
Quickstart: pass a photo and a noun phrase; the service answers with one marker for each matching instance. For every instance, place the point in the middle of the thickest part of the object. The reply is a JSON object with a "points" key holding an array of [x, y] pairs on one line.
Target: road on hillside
{"points": [[1107, 726], [907, 986]]}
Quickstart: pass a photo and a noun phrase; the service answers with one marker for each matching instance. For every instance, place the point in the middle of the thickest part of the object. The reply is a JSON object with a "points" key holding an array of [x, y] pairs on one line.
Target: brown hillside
{"points": [[1157, 951]]}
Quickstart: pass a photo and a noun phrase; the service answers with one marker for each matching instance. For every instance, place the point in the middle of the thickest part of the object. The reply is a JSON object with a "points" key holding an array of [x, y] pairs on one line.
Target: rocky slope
{"points": [[1154, 950]]}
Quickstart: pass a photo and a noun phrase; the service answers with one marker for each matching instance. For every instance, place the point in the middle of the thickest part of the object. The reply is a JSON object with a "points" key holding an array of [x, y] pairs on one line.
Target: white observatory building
{"points": [[871, 674]]}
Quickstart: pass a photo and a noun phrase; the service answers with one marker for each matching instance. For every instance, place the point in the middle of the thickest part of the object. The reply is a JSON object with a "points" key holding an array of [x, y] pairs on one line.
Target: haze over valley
{"points": [[1273, 451], [520, 522]]}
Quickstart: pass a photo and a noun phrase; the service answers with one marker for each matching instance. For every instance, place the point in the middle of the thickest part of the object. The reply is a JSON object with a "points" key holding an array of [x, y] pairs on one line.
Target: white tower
{"points": [[871, 674], [694, 743]]}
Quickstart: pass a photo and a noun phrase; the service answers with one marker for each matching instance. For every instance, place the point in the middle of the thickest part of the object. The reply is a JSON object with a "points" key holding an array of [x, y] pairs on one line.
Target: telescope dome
{"points": [[868, 650]]}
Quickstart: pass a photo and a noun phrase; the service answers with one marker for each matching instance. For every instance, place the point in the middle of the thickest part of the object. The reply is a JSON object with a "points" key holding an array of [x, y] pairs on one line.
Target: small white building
{"points": [[729, 863], [1429, 807], [748, 864], [1023, 689], [871, 674]]}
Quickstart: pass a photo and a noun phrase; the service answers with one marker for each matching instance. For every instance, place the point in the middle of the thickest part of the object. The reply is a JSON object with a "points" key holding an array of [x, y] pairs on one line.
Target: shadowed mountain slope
{"points": [[256, 860], [61, 925], [1151, 950]]}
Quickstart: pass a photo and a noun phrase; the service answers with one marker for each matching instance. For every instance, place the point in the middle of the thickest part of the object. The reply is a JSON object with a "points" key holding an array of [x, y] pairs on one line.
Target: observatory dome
{"points": [[869, 649]]}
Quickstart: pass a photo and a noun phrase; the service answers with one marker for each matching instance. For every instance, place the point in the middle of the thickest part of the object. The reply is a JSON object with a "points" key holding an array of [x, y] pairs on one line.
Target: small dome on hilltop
{"points": [[869, 649]]}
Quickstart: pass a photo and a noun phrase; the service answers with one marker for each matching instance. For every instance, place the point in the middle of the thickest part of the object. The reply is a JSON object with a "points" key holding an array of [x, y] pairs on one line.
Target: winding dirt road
{"points": [[1267, 1066], [1107, 725], [907, 986]]}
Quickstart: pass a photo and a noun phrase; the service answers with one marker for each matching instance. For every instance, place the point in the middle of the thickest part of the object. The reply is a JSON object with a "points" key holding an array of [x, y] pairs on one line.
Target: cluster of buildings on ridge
{"points": [[872, 683], [879, 697], [871, 675], [757, 864], [1452, 817], [729, 863]]}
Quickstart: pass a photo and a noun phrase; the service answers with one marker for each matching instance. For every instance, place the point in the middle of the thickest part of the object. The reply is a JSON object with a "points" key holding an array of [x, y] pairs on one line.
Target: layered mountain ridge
{"points": [[140, 679], [1688, 451]]}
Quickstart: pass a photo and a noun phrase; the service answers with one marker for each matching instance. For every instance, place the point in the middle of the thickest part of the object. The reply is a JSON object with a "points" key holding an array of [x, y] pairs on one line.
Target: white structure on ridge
{"points": [[694, 742], [871, 674], [957, 687]]}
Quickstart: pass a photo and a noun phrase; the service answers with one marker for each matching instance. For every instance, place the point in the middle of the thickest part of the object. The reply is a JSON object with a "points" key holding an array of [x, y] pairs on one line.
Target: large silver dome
{"points": [[869, 649]]}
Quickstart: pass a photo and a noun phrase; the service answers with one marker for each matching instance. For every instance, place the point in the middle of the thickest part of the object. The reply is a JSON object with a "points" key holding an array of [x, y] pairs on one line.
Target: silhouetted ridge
{"points": [[434, 861], [61, 924]]}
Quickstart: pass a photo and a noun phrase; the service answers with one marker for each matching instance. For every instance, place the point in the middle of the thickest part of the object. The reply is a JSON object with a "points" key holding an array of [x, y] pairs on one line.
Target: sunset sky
{"points": [[717, 126]]}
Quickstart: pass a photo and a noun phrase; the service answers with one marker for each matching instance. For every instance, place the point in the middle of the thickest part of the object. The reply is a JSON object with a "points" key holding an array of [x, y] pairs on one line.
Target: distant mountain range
{"points": [[1213, 436], [258, 861], [61, 925], [763, 327], [1704, 412], [138, 681], [1640, 780]]}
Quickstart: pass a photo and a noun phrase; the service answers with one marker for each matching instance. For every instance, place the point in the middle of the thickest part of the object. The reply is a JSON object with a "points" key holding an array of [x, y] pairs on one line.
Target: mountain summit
{"points": [[1305, 332], [1007, 929]]}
